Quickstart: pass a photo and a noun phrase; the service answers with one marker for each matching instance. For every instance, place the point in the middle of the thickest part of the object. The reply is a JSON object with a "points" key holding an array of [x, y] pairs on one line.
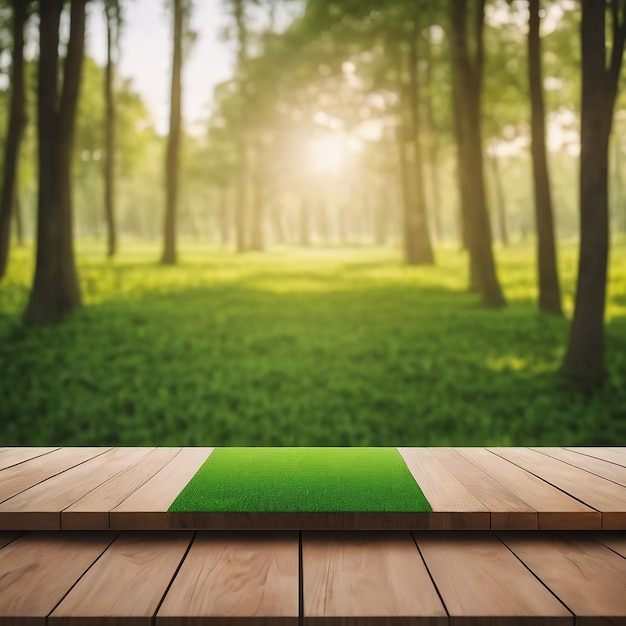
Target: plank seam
{"points": [[84, 495], [82, 575], [591, 456], [597, 540], [53, 475], [549, 483], [584, 469], [445, 608], [153, 619], [37, 456], [574, 617], [142, 484]]}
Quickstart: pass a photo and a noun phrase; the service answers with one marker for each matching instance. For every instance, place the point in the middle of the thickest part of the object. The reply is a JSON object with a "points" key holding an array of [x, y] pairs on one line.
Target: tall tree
{"points": [[172, 158], [16, 120], [549, 288], [467, 79], [55, 288], [238, 7], [112, 16], [584, 359]]}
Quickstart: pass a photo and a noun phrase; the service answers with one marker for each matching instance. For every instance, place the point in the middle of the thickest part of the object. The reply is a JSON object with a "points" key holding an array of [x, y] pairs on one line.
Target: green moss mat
{"points": [[302, 480]]}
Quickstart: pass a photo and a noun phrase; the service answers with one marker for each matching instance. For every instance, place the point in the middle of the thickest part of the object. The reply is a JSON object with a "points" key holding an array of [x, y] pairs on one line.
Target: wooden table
{"points": [[517, 536]]}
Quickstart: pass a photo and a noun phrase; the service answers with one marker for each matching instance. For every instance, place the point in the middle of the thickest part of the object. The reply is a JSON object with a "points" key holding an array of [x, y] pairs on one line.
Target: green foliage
{"points": [[295, 348]]}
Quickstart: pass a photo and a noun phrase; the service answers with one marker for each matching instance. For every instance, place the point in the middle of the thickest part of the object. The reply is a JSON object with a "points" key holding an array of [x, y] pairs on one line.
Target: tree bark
{"points": [[55, 286], [15, 128], [547, 267], [422, 244], [173, 143], [500, 200], [467, 83], [109, 135], [584, 360]]}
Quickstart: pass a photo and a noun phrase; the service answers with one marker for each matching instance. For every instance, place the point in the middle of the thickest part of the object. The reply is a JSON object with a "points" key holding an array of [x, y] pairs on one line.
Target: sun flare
{"points": [[328, 154]]}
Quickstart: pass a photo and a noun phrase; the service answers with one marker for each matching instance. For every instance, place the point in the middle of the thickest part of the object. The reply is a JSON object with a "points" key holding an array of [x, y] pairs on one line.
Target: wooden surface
{"points": [[186, 578], [227, 577], [469, 489], [366, 578]]}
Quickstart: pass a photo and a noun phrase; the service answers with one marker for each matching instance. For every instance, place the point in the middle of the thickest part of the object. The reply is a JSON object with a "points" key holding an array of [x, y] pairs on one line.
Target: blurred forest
{"points": [[480, 142]]}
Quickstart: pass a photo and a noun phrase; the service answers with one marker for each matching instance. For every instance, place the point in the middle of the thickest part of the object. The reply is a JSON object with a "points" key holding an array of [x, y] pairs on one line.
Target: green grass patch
{"points": [[302, 348], [247, 480]]}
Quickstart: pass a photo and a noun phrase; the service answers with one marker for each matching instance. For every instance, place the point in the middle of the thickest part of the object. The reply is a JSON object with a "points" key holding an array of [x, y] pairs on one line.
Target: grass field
{"points": [[302, 480], [326, 347]]}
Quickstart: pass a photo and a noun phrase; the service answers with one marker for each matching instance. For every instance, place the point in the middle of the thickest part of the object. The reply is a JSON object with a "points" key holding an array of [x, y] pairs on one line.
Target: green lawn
{"points": [[301, 348], [291, 480]]}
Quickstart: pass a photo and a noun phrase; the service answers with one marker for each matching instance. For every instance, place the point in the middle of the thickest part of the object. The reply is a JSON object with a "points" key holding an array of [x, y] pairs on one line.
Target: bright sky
{"points": [[146, 52]]}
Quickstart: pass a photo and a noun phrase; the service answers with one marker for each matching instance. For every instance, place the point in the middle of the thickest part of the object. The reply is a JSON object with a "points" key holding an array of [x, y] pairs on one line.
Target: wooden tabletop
{"points": [[468, 488], [125, 561], [316, 578]]}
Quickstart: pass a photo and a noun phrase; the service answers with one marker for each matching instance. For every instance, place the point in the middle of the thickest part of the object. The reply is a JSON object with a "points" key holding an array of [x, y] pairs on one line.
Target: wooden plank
{"points": [[454, 505], [507, 510], [126, 585], [615, 541], [16, 479], [599, 467], [13, 456], [613, 455], [482, 583], [596, 492], [146, 508], [38, 569], [367, 579], [39, 508], [92, 510], [556, 510], [589, 578], [236, 578]]}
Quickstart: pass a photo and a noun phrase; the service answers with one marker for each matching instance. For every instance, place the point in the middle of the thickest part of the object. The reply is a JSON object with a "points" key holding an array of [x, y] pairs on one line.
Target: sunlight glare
{"points": [[328, 154]]}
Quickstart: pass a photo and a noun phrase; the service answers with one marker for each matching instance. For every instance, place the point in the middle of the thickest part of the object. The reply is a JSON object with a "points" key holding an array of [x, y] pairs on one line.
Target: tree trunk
{"points": [[19, 223], [433, 147], [423, 246], [500, 200], [15, 128], [549, 288], [173, 143], [109, 137], [467, 84], [305, 222], [225, 216], [257, 243], [584, 359], [55, 286]]}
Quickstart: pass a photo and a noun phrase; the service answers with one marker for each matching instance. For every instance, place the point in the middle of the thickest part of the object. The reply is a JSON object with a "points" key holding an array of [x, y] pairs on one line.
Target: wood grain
{"points": [[38, 569], [39, 508], [14, 456], [613, 455], [599, 467], [454, 505], [18, 478], [508, 511], [481, 582], [147, 506], [235, 578], [369, 579], [588, 577], [596, 492], [92, 510], [556, 510], [127, 583]]}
